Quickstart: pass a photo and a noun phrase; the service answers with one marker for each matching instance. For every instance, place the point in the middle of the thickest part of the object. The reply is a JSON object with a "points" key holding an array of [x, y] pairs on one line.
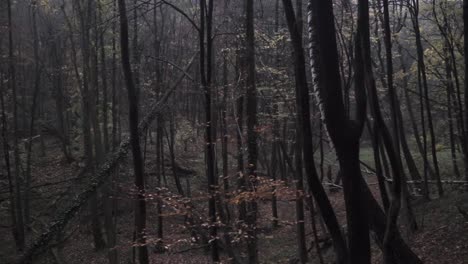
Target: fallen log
{"points": [[41, 244], [455, 182]]}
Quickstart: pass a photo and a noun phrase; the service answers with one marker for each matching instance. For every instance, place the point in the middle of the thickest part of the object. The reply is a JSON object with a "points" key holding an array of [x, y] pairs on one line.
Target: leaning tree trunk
{"points": [[303, 121], [414, 11], [325, 69]]}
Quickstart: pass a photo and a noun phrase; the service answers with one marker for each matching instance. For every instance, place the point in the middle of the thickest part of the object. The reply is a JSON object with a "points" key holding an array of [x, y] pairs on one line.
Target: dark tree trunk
{"points": [[104, 83], [12, 83], [140, 205], [6, 156], [159, 138], [414, 11], [274, 166], [59, 96], [110, 190], [206, 18], [240, 154], [303, 121], [251, 119], [378, 163], [412, 168], [159, 170], [170, 137], [36, 89], [395, 205], [225, 135], [300, 223], [115, 92], [449, 92], [465, 49], [324, 57]]}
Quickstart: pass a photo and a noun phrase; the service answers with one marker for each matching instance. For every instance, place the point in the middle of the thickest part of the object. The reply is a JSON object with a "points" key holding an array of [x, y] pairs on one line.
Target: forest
{"points": [[234, 131]]}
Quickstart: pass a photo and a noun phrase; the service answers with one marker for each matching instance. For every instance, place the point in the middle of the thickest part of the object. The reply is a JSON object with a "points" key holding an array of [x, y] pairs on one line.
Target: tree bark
{"points": [[6, 156], [465, 49], [414, 11], [206, 19], [140, 205], [12, 83], [251, 119]]}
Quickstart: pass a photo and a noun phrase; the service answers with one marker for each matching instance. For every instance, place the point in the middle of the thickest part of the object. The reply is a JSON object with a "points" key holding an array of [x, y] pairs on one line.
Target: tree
{"points": [[140, 203], [251, 117], [424, 90], [465, 48], [305, 133], [285, 109], [206, 19], [326, 70], [20, 242]]}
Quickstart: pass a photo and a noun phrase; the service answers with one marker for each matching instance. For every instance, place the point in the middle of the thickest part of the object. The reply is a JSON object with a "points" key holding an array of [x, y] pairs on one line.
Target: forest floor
{"points": [[442, 236]]}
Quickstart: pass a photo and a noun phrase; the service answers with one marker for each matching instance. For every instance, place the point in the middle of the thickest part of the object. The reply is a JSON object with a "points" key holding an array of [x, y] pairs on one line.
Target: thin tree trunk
{"points": [[378, 164], [412, 168], [465, 49], [12, 83], [170, 137], [6, 156], [110, 203], [224, 140], [300, 223], [37, 85], [140, 205], [395, 205], [252, 136], [449, 92], [159, 247], [104, 83], [274, 166], [62, 125], [206, 18], [159, 169], [414, 11], [421, 147], [115, 93]]}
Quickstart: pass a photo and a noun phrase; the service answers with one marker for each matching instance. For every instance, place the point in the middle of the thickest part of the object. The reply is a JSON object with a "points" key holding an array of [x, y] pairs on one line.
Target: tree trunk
{"points": [[115, 92], [206, 18], [251, 119], [12, 83], [159, 169], [37, 86], [170, 137], [104, 83], [414, 11], [378, 164], [6, 156], [300, 223], [465, 49], [449, 92], [140, 205], [58, 91], [303, 118]]}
